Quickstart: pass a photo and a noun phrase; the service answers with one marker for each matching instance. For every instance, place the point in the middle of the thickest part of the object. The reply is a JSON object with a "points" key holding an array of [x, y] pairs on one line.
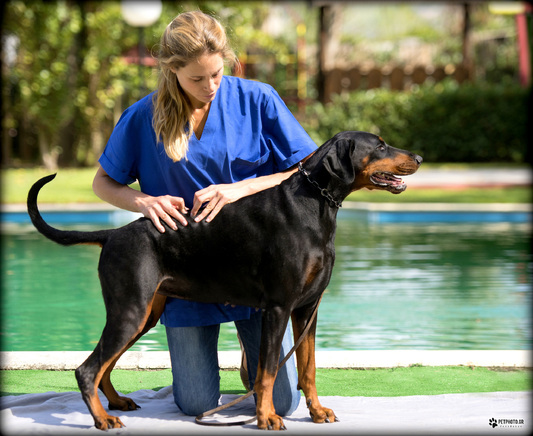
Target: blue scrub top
{"points": [[249, 132]]}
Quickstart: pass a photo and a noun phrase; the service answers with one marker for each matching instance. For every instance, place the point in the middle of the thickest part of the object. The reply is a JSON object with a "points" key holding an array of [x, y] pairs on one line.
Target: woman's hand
{"points": [[157, 209], [216, 197], [163, 209]]}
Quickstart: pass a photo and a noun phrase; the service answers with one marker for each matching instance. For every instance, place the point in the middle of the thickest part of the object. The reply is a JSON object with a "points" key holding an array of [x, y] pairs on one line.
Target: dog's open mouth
{"points": [[388, 181]]}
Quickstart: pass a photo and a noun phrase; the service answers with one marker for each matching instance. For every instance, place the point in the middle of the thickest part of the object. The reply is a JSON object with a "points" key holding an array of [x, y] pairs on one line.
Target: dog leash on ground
{"points": [[200, 417]]}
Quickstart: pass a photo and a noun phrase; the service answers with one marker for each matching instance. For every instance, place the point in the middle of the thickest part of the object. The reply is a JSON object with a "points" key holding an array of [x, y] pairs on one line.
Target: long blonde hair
{"points": [[189, 36]]}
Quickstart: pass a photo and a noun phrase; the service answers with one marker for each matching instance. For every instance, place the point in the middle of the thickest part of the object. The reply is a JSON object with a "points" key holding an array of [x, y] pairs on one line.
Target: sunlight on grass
{"points": [[75, 186]]}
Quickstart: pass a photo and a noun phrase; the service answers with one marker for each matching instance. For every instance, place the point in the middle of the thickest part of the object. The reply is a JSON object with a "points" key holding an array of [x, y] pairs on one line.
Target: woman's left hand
{"points": [[215, 197]]}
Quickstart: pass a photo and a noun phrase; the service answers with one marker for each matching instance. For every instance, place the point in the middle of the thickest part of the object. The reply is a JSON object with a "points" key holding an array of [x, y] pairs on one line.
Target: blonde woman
{"points": [[201, 141]]}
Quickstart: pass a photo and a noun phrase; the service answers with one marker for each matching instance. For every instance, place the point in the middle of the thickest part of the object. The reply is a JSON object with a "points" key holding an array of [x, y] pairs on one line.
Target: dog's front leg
{"points": [[273, 327], [305, 358]]}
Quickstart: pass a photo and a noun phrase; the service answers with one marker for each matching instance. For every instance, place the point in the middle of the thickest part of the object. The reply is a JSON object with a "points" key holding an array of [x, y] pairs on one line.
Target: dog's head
{"points": [[365, 160]]}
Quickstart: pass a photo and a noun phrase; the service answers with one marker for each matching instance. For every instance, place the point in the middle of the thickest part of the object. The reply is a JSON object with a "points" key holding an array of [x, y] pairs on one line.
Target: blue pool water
{"points": [[405, 284]]}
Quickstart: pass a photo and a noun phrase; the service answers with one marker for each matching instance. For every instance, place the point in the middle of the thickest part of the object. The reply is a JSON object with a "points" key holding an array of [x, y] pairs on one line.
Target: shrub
{"points": [[445, 122]]}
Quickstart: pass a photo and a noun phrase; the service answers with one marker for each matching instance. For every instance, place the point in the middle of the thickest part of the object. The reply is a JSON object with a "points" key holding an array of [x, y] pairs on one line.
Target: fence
{"points": [[397, 78], [289, 76]]}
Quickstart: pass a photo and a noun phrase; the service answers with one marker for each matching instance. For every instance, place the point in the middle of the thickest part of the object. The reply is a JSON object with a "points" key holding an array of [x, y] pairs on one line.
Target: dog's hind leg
{"points": [[117, 402], [124, 325], [305, 360]]}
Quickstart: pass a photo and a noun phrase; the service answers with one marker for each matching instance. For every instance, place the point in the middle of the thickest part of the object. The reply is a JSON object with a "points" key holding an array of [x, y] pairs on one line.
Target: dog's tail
{"points": [[60, 236]]}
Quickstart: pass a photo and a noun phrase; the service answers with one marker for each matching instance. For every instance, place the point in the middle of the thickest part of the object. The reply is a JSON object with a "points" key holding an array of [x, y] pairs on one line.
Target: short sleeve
{"points": [[288, 140], [120, 159]]}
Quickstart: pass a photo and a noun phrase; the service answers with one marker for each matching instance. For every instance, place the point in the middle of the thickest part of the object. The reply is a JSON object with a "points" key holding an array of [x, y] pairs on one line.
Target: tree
{"points": [[68, 80]]}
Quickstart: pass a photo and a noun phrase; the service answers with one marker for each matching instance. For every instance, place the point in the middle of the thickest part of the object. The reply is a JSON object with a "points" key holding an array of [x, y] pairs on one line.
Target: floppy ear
{"points": [[338, 161]]}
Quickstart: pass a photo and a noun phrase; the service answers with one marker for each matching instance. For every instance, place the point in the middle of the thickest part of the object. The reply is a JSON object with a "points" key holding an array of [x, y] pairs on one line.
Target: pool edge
{"points": [[150, 360]]}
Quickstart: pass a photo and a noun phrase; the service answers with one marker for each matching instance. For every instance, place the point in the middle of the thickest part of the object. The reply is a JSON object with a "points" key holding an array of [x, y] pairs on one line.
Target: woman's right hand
{"points": [[157, 209], [163, 209]]}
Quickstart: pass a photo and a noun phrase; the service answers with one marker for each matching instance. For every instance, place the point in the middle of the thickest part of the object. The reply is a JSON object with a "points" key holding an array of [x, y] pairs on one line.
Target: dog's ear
{"points": [[338, 161]]}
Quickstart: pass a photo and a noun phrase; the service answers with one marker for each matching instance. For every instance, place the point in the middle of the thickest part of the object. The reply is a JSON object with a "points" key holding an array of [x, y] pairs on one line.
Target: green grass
{"points": [[382, 382], [70, 185], [75, 186]]}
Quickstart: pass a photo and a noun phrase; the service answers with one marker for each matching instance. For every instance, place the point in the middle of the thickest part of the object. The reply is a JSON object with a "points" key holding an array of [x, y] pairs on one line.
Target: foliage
{"points": [[67, 75], [443, 123], [68, 80]]}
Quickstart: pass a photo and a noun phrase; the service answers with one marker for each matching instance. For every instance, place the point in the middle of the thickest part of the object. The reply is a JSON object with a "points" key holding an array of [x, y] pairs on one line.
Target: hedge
{"points": [[445, 122]]}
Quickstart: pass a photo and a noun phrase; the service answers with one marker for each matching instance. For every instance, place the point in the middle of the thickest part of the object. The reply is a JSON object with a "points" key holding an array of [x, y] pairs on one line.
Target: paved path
{"points": [[470, 177]]}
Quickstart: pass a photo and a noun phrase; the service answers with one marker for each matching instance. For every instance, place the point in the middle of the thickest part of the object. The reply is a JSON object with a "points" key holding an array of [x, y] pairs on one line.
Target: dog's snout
{"points": [[418, 159]]}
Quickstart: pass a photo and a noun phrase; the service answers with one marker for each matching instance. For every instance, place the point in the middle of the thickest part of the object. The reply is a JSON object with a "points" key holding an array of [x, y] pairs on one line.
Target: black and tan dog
{"points": [[273, 250]]}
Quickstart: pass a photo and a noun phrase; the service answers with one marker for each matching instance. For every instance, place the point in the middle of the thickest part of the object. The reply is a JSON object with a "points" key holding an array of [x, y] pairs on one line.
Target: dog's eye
{"points": [[381, 147]]}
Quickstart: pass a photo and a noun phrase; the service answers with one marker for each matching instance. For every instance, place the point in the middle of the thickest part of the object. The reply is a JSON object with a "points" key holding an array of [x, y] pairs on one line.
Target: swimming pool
{"points": [[404, 284]]}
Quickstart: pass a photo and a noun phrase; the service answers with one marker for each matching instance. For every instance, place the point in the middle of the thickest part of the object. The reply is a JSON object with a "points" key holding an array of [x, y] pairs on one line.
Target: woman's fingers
{"points": [[200, 197], [211, 209], [166, 209], [215, 197]]}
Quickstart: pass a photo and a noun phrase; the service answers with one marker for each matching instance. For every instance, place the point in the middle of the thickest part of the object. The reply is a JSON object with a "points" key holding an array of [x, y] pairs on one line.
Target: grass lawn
{"points": [[381, 382], [70, 185], [75, 186]]}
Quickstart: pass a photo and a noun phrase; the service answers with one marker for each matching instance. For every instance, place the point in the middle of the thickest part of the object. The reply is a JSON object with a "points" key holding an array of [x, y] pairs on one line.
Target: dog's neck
{"points": [[323, 191], [331, 185]]}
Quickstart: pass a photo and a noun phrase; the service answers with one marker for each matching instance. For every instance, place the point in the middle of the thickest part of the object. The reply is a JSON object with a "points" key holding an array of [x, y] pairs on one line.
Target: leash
{"points": [[323, 191], [199, 418]]}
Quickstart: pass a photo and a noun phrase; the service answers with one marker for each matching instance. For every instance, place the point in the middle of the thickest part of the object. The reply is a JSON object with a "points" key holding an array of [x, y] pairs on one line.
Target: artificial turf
{"points": [[381, 382]]}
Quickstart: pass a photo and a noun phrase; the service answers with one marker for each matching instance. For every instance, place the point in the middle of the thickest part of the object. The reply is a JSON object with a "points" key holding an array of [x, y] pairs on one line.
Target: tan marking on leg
{"points": [[102, 419], [266, 414], [117, 402], [305, 362]]}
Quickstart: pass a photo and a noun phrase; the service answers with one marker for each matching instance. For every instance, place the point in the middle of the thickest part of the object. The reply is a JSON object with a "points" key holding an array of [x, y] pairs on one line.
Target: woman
{"points": [[203, 140]]}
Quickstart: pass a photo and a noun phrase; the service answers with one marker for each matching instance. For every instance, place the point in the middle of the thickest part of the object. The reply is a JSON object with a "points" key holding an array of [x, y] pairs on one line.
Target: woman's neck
{"points": [[200, 118]]}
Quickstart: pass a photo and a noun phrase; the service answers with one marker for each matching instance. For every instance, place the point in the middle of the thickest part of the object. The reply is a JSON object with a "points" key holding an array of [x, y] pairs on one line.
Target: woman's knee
{"points": [[195, 369], [287, 405], [286, 395], [194, 403]]}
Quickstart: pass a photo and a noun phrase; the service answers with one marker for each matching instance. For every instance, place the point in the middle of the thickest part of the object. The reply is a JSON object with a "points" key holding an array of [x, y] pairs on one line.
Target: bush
{"points": [[445, 122]]}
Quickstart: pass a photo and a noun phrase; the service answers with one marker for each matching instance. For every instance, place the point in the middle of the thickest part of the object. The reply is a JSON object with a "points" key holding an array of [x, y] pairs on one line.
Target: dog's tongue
{"points": [[399, 184]]}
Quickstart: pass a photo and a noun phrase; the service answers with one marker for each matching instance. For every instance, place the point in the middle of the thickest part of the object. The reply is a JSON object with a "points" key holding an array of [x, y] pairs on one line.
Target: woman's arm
{"points": [[156, 209], [217, 196]]}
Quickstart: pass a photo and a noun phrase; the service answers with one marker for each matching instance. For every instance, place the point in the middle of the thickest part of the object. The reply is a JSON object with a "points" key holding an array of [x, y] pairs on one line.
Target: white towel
{"points": [[65, 413]]}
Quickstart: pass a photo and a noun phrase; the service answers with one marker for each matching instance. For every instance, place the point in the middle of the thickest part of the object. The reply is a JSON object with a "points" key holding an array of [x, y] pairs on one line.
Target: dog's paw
{"points": [[320, 414], [108, 422], [123, 403], [273, 422]]}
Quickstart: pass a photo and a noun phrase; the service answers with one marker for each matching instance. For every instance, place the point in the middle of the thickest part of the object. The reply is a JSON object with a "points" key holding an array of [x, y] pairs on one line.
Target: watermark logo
{"points": [[509, 423]]}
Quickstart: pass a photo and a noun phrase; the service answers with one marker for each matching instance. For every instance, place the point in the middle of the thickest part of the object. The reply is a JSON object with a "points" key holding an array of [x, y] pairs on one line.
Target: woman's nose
{"points": [[211, 85]]}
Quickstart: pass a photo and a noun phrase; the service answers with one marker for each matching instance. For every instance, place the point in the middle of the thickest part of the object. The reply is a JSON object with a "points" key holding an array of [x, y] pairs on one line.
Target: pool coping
{"points": [[110, 216], [352, 205], [151, 360]]}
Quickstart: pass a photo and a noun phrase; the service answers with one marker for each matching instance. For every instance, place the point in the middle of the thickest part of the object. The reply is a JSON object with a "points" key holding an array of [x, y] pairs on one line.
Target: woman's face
{"points": [[200, 79]]}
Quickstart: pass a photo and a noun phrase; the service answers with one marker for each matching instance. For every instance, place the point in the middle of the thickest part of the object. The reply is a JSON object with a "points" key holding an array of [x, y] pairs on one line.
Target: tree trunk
{"points": [[49, 155]]}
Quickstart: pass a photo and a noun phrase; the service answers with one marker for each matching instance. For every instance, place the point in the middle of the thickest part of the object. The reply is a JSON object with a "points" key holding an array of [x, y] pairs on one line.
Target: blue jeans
{"points": [[195, 370]]}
